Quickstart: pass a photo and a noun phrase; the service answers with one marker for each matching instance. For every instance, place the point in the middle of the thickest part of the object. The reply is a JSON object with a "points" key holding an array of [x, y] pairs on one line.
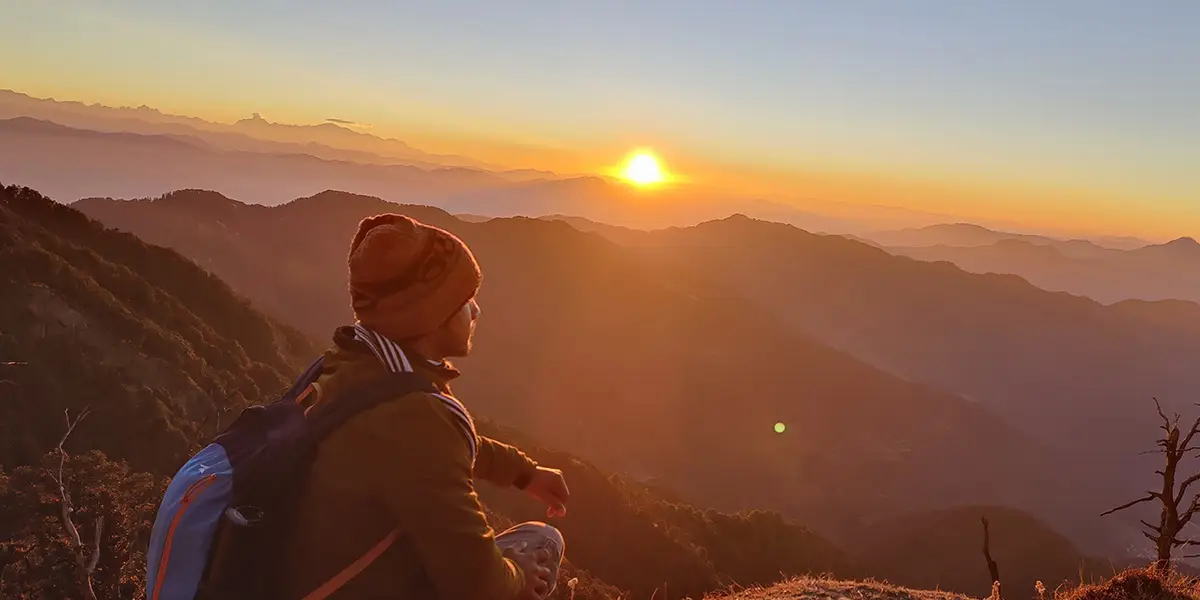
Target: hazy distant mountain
{"points": [[585, 333], [1120, 242], [106, 120], [1182, 250], [1035, 355], [72, 163], [862, 240], [327, 140], [469, 218], [1155, 272], [970, 235], [580, 223], [270, 163], [614, 203], [949, 234], [612, 232]]}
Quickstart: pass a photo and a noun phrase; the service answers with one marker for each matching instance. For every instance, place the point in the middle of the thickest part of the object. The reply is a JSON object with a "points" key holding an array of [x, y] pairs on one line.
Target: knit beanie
{"points": [[408, 278]]}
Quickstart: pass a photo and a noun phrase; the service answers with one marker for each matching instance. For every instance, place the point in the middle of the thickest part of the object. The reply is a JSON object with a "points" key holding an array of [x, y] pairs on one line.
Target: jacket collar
{"points": [[392, 355]]}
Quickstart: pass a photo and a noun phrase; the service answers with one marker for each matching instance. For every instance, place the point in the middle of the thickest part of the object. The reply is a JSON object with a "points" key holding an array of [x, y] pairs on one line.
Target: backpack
{"points": [[218, 525]]}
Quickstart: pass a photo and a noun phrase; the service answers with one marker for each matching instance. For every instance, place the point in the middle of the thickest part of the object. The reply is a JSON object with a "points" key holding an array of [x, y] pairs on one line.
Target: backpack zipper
{"points": [[197, 486]]}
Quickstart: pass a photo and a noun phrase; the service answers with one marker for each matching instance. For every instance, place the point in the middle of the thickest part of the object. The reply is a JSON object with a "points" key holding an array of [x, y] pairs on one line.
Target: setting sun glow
{"points": [[643, 169]]}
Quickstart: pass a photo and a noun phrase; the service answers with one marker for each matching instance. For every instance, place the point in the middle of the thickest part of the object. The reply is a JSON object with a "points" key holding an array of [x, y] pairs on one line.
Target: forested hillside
{"points": [[159, 347], [150, 350]]}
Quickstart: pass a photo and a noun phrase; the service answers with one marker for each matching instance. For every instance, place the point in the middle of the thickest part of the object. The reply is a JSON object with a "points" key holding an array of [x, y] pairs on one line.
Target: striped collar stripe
{"points": [[454, 405], [465, 420], [387, 351]]}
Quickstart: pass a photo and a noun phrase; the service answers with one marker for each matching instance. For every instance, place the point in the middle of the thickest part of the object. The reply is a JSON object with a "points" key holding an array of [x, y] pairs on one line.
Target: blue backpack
{"points": [[219, 522]]}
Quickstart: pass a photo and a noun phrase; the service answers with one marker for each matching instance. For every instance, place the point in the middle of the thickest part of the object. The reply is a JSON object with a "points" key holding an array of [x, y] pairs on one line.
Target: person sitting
{"points": [[409, 465]]}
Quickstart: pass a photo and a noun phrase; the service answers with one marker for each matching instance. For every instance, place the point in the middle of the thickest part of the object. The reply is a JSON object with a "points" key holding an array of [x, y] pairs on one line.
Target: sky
{"points": [[1077, 114]]}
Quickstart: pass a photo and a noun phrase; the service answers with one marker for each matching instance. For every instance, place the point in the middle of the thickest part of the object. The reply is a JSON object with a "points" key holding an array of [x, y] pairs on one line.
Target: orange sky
{"points": [[829, 188], [972, 112], [1041, 206]]}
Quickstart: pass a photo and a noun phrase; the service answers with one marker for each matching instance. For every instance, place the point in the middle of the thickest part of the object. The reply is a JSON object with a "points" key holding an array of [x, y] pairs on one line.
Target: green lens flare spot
{"points": [[780, 428]]}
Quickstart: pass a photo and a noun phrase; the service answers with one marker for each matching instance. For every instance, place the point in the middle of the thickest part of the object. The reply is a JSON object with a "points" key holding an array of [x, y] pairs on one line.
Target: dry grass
{"points": [[1133, 584], [832, 589], [1137, 584]]}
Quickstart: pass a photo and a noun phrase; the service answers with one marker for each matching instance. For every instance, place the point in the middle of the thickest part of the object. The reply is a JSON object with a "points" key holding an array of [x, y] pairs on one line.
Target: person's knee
{"points": [[553, 534], [544, 531]]}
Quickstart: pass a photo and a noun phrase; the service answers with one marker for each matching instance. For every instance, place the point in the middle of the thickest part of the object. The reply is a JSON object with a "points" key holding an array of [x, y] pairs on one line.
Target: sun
{"points": [[643, 169]]}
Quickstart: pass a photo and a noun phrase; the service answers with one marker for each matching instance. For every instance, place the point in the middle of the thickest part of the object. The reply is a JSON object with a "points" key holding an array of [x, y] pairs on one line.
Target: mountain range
{"points": [[822, 331], [160, 349], [268, 162], [134, 164], [1036, 357], [1169, 271], [972, 235], [328, 140]]}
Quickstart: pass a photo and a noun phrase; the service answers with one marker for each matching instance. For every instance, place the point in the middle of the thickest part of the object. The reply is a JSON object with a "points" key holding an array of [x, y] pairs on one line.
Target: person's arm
{"points": [[502, 464], [424, 479]]}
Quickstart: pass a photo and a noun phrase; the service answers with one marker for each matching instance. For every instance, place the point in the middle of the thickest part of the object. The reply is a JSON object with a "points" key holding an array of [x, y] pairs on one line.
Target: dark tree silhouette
{"points": [[993, 569], [1173, 519]]}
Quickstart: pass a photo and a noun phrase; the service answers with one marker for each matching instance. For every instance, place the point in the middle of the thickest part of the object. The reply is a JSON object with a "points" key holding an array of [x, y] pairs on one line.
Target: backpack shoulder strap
{"points": [[309, 375], [332, 413]]}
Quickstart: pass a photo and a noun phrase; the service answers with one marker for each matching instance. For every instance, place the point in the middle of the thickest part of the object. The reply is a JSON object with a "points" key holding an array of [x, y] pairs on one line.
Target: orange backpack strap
{"points": [[356, 567]]}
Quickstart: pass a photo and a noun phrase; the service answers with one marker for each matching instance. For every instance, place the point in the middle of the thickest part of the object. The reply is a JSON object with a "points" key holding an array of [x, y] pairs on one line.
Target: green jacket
{"points": [[404, 465]]}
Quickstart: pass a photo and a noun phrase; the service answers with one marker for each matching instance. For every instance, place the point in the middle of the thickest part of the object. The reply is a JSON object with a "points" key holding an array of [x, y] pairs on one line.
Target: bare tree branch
{"points": [[1184, 486], [94, 560], [1173, 518], [1166, 421], [1190, 512], [1150, 497], [1186, 444], [85, 559], [71, 425]]}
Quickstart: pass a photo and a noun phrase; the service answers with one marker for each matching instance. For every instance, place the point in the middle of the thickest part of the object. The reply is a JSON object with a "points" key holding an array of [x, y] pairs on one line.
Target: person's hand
{"points": [[549, 486], [534, 566]]}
